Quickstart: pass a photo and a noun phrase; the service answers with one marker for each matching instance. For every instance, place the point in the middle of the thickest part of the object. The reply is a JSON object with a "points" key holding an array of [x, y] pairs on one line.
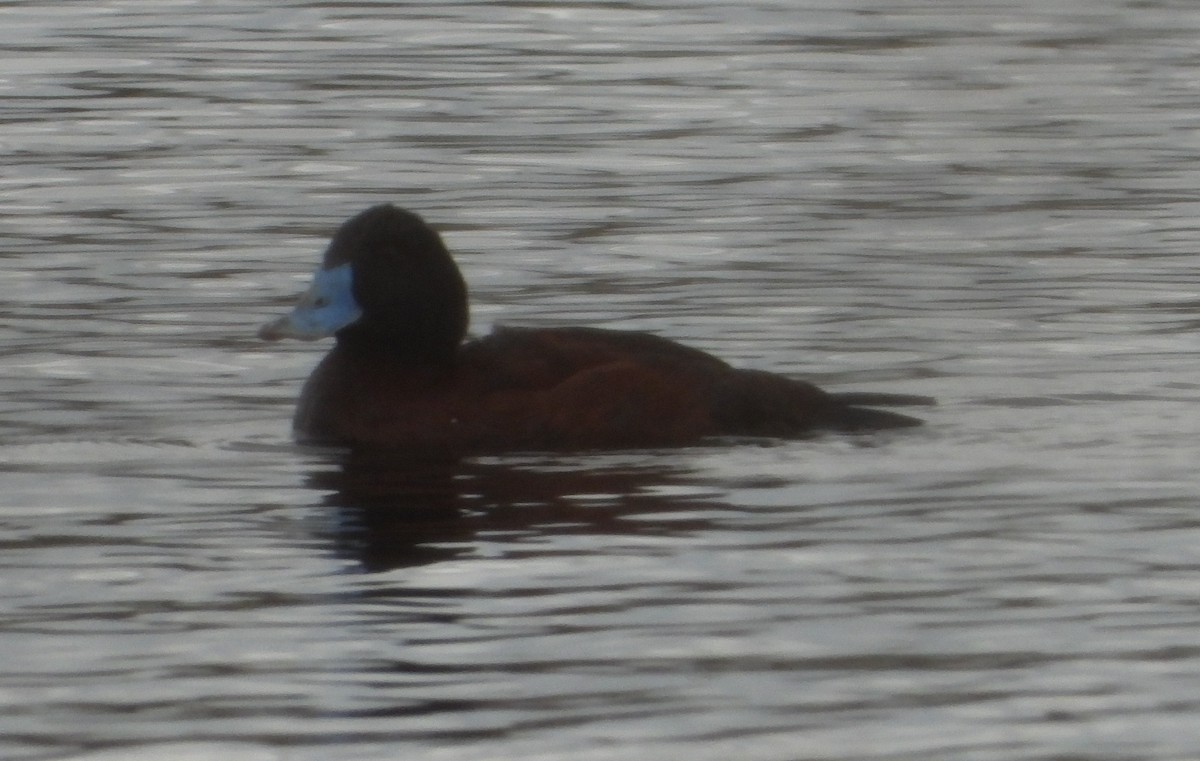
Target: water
{"points": [[992, 204]]}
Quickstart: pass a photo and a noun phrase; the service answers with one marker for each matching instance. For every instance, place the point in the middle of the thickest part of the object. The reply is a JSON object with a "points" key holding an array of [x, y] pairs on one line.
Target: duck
{"points": [[403, 373]]}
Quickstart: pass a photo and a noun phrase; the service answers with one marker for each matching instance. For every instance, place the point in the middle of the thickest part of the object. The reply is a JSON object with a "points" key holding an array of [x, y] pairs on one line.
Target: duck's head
{"points": [[386, 283]]}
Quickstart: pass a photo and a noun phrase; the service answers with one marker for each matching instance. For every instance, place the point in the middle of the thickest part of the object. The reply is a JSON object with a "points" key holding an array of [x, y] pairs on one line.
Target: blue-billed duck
{"points": [[403, 373]]}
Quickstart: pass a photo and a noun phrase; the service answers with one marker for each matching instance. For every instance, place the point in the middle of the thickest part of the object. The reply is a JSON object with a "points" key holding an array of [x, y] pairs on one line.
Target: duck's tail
{"points": [[855, 418], [860, 414], [753, 402], [857, 398]]}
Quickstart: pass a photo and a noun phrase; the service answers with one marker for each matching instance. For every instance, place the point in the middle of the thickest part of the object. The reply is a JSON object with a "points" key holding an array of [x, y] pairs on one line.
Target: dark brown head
{"points": [[387, 283]]}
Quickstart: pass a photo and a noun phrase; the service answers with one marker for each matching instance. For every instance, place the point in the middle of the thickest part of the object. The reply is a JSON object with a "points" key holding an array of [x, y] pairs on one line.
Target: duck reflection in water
{"points": [[394, 513]]}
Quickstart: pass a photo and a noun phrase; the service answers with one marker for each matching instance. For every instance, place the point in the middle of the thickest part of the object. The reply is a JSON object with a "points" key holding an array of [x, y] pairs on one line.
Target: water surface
{"points": [[993, 204]]}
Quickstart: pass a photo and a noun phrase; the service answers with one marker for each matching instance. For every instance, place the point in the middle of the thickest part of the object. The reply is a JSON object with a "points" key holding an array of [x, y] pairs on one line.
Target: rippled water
{"points": [[990, 203]]}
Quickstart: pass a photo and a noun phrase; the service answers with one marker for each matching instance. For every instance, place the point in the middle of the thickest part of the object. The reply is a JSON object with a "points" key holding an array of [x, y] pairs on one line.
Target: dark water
{"points": [[990, 203]]}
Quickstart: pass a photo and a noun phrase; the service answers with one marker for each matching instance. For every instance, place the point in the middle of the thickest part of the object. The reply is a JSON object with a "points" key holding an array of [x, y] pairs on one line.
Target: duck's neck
{"points": [[415, 348]]}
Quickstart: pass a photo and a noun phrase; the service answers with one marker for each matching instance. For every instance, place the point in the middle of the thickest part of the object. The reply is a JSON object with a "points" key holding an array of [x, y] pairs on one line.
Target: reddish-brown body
{"points": [[559, 388]]}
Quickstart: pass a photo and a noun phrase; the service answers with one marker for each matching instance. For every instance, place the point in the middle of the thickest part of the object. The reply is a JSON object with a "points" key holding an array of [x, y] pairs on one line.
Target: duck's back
{"points": [[539, 358], [627, 388]]}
